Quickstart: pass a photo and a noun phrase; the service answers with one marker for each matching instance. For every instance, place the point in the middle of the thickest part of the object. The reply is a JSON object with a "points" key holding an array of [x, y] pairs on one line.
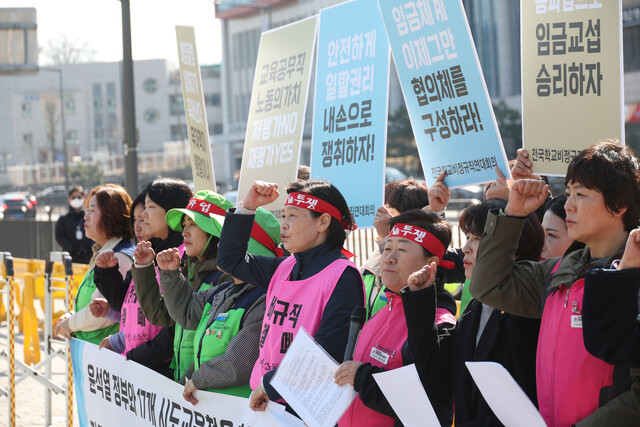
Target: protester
{"points": [[484, 333], [399, 196], [138, 339], [162, 195], [316, 287], [571, 383], [227, 318], [556, 238], [417, 239], [70, 228], [402, 196], [107, 224], [611, 321]]}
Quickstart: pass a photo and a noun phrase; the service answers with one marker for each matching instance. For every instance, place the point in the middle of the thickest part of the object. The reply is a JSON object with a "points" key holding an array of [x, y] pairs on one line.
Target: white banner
{"points": [[112, 391]]}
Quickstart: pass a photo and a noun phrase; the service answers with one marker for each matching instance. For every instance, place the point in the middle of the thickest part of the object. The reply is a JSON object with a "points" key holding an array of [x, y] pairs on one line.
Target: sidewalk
{"points": [[30, 394]]}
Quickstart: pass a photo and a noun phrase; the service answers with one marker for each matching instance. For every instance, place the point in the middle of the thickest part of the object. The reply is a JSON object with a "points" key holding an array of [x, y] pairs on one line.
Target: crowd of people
{"points": [[212, 296]]}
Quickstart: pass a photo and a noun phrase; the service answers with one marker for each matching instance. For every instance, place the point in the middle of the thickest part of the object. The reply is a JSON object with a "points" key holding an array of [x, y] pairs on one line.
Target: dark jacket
{"points": [[611, 329], [67, 227], [333, 331], [506, 339]]}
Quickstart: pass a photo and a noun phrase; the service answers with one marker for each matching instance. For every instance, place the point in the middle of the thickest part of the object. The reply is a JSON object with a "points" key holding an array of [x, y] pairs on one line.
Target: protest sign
{"points": [[351, 103], [444, 89], [572, 81], [194, 107], [277, 108]]}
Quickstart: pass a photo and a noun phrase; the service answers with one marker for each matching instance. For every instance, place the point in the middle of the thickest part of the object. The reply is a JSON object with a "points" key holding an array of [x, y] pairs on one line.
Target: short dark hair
{"points": [[613, 170], [406, 195], [327, 192], [169, 193], [429, 221], [77, 188], [115, 205], [556, 207], [473, 219]]}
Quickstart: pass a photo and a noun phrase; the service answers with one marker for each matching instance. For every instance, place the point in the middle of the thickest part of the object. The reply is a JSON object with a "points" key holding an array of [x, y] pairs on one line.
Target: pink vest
{"points": [[137, 328], [380, 343], [291, 304], [568, 378]]}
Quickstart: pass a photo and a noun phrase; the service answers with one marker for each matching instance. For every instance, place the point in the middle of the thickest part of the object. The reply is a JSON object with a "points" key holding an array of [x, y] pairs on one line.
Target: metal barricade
{"points": [[51, 352], [9, 356]]}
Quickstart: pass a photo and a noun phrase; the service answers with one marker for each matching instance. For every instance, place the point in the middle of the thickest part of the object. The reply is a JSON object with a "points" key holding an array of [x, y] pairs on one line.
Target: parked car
{"points": [[17, 205], [53, 196]]}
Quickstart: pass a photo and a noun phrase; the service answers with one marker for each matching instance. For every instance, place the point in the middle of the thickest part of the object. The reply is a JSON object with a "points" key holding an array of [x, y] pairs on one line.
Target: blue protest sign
{"points": [[351, 97], [444, 89]]}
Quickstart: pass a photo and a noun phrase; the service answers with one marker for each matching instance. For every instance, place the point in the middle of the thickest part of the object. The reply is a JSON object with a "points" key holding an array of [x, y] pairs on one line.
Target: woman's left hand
{"points": [[422, 278], [62, 327], [346, 372], [169, 259], [259, 399], [189, 389]]}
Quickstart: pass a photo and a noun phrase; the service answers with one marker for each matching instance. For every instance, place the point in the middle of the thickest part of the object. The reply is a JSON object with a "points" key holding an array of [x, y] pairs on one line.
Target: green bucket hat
{"points": [[199, 209], [265, 235]]}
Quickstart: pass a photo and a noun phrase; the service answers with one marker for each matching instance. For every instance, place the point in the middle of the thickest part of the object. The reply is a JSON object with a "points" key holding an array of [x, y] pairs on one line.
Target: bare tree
{"points": [[65, 49]]}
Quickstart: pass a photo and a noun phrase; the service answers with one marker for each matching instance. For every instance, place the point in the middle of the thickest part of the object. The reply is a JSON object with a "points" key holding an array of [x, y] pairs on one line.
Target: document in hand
{"points": [[503, 394], [404, 391], [305, 380]]}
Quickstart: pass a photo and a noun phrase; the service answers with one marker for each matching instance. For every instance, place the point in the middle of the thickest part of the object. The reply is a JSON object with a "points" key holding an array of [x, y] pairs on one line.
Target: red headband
{"points": [[424, 239], [257, 232], [204, 207], [306, 201]]}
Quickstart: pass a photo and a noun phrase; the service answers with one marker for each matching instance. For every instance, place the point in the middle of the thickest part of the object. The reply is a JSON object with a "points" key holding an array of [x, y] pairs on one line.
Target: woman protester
{"points": [[107, 224], [556, 237], [145, 299], [603, 206], [227, 318], [138, 339], [316, 287], [416, 243], [486, 334]]}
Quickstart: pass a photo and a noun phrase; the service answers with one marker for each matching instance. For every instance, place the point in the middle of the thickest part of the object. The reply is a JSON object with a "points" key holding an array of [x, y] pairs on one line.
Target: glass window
{"points": [[176, 105], [150, 85], [178, 132], [26, 109], [151, 115]]}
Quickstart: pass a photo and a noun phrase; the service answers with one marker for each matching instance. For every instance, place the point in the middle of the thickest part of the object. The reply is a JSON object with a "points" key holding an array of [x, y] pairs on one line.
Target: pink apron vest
{"points": [[291, 304], [137, 328], [380, 343], [568, 378]]}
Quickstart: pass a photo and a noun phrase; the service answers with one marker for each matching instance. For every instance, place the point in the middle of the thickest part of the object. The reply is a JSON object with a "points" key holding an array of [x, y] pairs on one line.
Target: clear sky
{"points": [[99, 24]]}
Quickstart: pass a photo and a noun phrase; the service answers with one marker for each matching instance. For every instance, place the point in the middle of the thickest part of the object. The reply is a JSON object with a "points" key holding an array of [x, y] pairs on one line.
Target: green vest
{"points": [[466, 296], [212, 341], [381, 298], [183, 346], [83, 298]]}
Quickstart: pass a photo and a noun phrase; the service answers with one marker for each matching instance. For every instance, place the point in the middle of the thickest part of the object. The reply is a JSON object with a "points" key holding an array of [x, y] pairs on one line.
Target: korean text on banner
{"points": [[444, 89], [112, 391], [277, 109], [572, 83], [351, 101], [194, 107]]}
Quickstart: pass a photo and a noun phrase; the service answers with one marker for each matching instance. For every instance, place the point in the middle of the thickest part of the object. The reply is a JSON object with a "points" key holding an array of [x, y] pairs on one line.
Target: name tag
{"points": [[379, 355], [79, 235], [576, 321], [222, 317]]}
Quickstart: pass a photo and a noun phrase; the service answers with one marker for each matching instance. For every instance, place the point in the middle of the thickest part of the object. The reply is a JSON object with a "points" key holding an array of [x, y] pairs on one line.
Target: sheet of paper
{"points": [[503, 394], [404, 391], [305, 380], [274, 416]]}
